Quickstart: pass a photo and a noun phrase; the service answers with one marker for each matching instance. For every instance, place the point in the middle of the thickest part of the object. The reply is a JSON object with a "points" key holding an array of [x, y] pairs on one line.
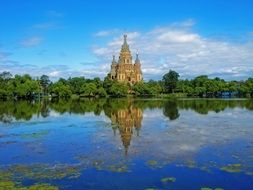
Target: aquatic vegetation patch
{"points": [[232, 168], [9, 185], [39, 171], [168, 179], [98, 164], [191, 164], [152, 162], [44, 186], [118, 168]]}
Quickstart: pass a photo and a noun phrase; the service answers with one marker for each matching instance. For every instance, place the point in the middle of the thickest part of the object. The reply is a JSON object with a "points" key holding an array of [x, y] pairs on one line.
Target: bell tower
{"points": [[125, 54]]}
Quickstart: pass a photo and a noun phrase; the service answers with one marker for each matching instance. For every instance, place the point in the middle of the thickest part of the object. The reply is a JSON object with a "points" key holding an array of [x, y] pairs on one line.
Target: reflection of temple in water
{"points": [[126, 120]]}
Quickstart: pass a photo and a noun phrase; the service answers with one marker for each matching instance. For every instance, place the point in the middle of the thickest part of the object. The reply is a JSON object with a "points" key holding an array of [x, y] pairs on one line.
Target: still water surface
{"points": [[127, 144]]}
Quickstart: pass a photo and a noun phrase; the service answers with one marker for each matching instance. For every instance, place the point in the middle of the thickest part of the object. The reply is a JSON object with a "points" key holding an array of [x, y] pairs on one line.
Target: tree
{"points": [[249, 84], [154, 87], [98, 82], [76, 84], [89, 89], [107, 84], [5, 75], [170, 80], [139, 88], [61, 90], [118, 89], [199, 81], [101, 92], [212, 87], [44, 82], [199, 91]]}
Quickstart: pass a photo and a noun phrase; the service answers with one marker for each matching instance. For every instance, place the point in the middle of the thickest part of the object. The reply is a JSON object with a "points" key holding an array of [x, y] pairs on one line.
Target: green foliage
{"points": [[76, 84], [61, 90], [140, 88], [44, 82], [5, 75], [101, 92], [18, 87], [25, 87], [151, 88], [24, 110], [170, 80], [170, 110], [89, 89], [118, 89]]}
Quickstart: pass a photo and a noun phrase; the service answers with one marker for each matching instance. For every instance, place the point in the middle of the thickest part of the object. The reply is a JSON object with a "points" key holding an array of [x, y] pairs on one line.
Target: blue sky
{"points": [[63, 38]]}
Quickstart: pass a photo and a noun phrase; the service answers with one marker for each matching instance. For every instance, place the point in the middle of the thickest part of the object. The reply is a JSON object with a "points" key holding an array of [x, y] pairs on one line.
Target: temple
{"points": [[124, 70]]}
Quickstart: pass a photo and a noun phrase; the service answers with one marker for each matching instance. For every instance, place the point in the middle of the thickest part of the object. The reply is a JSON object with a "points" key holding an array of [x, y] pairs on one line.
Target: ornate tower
{"points": [[124, 70]]}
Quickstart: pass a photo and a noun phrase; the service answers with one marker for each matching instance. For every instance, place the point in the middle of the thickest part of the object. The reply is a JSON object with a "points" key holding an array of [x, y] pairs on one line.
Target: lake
{"points": [[127, 144]]}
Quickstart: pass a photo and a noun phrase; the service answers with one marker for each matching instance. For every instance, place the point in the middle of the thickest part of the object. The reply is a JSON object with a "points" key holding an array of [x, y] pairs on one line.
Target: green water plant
{"points": [[232, 168], [168, 179], [10, 185]]}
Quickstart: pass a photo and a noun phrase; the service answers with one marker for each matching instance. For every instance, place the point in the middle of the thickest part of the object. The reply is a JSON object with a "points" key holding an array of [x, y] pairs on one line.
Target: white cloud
{"points": [[178, 37], [105, 33], [178, 48], [54, 74], [33, 41]]}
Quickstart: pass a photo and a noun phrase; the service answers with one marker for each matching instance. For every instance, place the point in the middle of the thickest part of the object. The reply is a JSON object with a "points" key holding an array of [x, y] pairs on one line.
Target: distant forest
{"points": [[170, 85]]}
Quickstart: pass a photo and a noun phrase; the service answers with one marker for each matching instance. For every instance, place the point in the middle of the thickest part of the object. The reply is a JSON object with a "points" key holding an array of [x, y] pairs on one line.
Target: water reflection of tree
{"points": [[203, 106], [25, 110], [44, 108], [10, 110], [170, 110], [78, 106]]}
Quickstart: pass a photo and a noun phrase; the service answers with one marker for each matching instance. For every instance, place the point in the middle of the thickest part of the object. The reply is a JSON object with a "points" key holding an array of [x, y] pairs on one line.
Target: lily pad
{"points": [[206, 188], [232, 168], [168, 179], [152, 162], [4, 185], [119, 169]]}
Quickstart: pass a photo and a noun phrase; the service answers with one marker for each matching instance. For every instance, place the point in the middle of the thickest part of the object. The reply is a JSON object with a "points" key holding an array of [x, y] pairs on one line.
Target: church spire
{"points": [[137, 60], [125, 46], [125, 39], [113, 60]]}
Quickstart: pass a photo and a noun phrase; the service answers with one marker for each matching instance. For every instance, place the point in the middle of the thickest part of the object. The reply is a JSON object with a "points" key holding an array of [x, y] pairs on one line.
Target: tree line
{"points": [[26, 87]]}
